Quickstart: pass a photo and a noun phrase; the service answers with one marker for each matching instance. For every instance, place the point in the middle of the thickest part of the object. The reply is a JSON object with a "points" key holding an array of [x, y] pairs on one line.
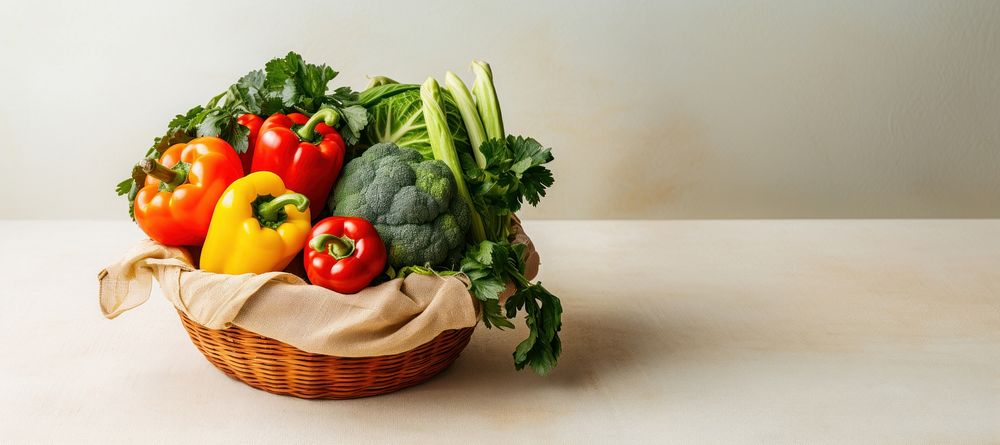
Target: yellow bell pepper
{"points": [[258, 226]]}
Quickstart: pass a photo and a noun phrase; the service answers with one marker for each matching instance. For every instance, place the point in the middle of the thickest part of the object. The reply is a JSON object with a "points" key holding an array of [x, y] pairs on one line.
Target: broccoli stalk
{"points": [[443, 148]]}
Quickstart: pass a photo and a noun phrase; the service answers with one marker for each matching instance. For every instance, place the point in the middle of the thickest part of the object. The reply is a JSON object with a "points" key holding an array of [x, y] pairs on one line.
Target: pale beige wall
{"points": [[655, 109]]}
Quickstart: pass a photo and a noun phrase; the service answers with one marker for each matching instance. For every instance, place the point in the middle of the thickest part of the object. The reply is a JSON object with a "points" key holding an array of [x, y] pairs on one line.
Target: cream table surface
{"points": [[675, 332]]}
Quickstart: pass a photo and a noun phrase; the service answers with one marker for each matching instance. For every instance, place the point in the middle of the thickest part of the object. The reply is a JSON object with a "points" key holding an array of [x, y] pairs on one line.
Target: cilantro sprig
{"points": [[286, 84]]}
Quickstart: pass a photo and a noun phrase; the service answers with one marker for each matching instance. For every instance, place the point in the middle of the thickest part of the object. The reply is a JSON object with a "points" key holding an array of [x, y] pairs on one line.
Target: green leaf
{"points": [[514, 173], [544, 320], [534, 182], [523, 148], [492, 316], [315, 78], [124, 187], [278, 70], [489, 266], [252, 81], [239, 138], [355, 118], [183, 120], [290, 93], [524, 348], [297, 82], [487, 287], [212, 123], [247, 94], [374, 94], [484, 253]]}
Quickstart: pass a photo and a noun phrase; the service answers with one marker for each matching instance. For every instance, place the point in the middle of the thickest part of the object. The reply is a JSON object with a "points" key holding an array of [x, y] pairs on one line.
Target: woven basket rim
{"points": [[231, 325]]}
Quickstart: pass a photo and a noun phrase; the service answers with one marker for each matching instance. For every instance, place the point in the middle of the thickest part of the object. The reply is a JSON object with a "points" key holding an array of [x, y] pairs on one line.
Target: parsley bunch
{"points": [[495, 178], [489, 265], [514, 171], [287, 84]]}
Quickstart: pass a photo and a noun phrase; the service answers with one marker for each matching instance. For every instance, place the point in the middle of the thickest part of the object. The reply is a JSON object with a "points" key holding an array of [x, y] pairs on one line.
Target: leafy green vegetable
{"points": [[486, 100], [411, 202], [502, 173], [543, 346], [486, 281], [284, 85], [488, 265], [299, 84], [515, 172], [443, 148], [497, 175], [382, 87], [395, 112], [470, 115]]}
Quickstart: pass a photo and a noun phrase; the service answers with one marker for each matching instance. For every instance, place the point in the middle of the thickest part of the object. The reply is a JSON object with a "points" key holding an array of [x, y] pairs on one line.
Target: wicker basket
{"points": [[279, 368]]}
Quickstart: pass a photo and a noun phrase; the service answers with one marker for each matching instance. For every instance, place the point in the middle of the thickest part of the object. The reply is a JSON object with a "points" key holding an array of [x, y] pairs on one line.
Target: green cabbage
{"points": [[395, 114]]}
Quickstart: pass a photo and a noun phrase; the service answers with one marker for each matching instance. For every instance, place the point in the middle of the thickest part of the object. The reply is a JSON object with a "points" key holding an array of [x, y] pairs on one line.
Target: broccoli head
{"points": [[412, 203]]}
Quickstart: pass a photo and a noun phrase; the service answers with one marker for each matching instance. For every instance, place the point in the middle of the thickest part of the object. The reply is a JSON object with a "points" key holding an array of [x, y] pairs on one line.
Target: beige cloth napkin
{"points": [[390, 318]]}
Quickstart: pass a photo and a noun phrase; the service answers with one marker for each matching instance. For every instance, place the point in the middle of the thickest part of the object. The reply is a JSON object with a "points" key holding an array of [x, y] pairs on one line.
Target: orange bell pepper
{"points": [[176, 204]]}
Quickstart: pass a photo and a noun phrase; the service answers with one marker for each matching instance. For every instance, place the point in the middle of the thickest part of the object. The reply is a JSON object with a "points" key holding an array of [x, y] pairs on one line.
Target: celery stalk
{"points": [[470, 116], [486, 100], [443, 148]]}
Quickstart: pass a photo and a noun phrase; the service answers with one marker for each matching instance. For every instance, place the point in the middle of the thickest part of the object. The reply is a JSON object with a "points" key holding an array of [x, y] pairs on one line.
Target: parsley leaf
{"points": [[489, 265], [515, 172], [356, 118], [487, 282], [543, 316], [123, 187], [299, 82]]}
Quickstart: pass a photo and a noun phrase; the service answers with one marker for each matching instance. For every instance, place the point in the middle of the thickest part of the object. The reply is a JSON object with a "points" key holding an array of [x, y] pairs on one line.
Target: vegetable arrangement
{"points": [[402, 178]]}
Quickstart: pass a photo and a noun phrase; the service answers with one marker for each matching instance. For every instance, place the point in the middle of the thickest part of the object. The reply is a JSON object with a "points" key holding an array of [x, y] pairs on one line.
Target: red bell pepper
{"points": [[344, 254], [253, 123], [307, 153], [175, 206]]}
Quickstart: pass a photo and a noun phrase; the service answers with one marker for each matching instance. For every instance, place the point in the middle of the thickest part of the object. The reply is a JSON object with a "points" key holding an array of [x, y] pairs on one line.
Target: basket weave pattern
{"points": [[279, 368]]}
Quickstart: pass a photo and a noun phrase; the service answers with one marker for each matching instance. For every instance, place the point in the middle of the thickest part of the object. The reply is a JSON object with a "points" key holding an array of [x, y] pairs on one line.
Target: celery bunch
{"points": [[495, 178]]}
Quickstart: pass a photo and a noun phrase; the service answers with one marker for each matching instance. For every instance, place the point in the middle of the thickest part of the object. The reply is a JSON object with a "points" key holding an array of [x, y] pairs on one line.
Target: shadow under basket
{"points": [[279, 368]]}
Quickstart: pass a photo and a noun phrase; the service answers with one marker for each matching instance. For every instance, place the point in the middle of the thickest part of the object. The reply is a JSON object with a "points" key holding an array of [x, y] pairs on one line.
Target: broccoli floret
{"points": [[412, 203]]}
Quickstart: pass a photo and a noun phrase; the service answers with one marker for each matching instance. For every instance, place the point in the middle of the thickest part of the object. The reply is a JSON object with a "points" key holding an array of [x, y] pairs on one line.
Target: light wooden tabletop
{"points": [[682, 331]]}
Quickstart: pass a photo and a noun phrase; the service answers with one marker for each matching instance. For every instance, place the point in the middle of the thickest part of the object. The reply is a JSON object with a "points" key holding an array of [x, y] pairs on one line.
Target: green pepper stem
{"points": [[329, 116], [269, 210], [339, 247], [171, 177]]}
